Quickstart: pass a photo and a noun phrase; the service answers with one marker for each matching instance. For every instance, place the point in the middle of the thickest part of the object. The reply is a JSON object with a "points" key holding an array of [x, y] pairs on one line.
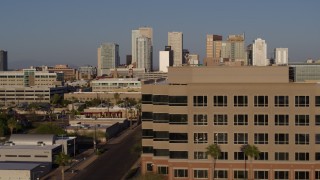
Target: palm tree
{"points": [[214, 151], [252, 152], [12, 124], [62, 160]]}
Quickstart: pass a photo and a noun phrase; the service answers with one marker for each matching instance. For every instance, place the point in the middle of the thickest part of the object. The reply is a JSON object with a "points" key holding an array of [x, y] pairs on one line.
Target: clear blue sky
{"points": [[38, 32]]}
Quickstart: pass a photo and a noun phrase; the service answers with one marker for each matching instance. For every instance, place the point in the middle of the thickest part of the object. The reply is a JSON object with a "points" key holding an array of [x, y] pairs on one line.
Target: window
{"points": [[180, 173], [281, 156], [220, 138], [220, 101], [281, 138], [160, 99], [40, 156], [240, 119], [200, 173], [281, 119], [147, 133], [149, 167], [317, 138], [178, 137], [280, 175], [178, 119], [281, 101], [223, 156], [317, 120], [160, 117], [178, 154], [263, 156], [200, 119], [147, 149], [317, 175], [160, 135], [260, 101], [317, 101], [240, 156], [220, 174], [163, 169], [160, 152], [302, 120], [221, 119], [200, 155], [302, 101], [301, 175], [260, 138], [261, 119], [240, 101], [146, 116], [302, 138], [261, 174], [178, 100], [240, 138], [146, 99], [200, 138], [240, 174], [199, 100], [317, 156], [302, 156]]}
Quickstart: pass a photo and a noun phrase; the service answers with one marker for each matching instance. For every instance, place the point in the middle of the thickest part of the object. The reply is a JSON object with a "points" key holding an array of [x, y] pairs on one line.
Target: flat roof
{"points": [[17, 166], [32, 147]]}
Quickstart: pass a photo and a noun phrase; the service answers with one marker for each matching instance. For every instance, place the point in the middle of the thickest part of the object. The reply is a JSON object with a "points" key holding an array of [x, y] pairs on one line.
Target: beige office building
{"points": [[175, 40], [231, 106]]}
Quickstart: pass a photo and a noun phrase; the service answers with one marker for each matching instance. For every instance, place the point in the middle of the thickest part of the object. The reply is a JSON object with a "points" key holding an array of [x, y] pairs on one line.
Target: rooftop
{"points": [[17, 166]]}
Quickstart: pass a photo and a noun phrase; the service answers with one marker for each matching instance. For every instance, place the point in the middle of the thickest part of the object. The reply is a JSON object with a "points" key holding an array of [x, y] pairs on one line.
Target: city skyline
{"points": [[33, 32]]}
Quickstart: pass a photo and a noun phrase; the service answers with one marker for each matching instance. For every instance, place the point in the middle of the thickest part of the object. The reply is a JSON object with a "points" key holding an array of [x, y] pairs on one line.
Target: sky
{"points": [[37, 32]]}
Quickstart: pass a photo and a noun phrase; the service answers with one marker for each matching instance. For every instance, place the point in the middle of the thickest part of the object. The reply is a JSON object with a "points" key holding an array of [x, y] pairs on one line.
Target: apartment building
{"points": [[231, 106]]}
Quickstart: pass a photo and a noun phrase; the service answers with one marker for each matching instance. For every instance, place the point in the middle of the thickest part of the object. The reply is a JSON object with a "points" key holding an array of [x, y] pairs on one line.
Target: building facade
{"points": [[87, 72], [281, 56], [144, 53], [165, 59], [3, 60], [111, 84], [304, 72], [259, 53], [145, 33], [213, 46], [234, 107], [175, 40], [108, 58]]}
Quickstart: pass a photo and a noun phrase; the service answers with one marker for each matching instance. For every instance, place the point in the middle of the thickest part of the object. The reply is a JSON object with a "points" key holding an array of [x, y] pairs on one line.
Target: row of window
{"points": [[222, 119], [263, 156], [237, 174], [223, 138], [222, 101]]}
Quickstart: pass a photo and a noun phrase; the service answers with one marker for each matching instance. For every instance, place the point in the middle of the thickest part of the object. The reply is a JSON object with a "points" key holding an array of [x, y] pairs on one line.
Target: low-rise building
{"points": [[110, 84], [22, 171]]}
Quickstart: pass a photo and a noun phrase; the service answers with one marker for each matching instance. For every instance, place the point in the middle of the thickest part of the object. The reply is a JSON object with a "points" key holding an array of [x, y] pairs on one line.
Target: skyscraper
{"points": [[213, 46], [281, 56], [3, 60], [144, 53], [237, 47], [175, 40], [108, 58], [146, 32], [259, 53]]}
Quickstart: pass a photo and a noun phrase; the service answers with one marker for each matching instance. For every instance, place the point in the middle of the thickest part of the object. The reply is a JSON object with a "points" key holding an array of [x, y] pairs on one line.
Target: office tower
{"points": [[108, 58], [185, 53], [249, 54], [144, 53], [142, 32], [3, 60], [213, 46], [231, 106], [193, 59], [165, 59], [175, 40], [128, 60], [259, 53], [236, 47], [281, 56]]}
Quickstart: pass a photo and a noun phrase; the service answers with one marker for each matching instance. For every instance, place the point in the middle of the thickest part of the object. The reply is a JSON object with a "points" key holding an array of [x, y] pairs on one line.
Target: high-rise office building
{"points": [[3, 60], [165, 59], [144, 52], [175, 40], [128, 60], [213, 46], [281, 56], [146, 32], [259, 53], [108, 58], [237, 47]]}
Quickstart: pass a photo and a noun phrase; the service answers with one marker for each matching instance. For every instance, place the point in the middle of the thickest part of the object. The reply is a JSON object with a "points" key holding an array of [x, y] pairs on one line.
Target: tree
{"points": [[62, 160], [49, 128], [214, 151], [252, 152], [116, 97], [56, 99], [12, 124]]}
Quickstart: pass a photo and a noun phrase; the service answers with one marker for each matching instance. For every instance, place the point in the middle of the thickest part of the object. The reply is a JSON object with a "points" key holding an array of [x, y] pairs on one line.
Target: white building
{"points": [[164, 58], [193, 59], [281, 56], [175, 40], [108, 58], [144, 52], [104, 85], [259, 53]]}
